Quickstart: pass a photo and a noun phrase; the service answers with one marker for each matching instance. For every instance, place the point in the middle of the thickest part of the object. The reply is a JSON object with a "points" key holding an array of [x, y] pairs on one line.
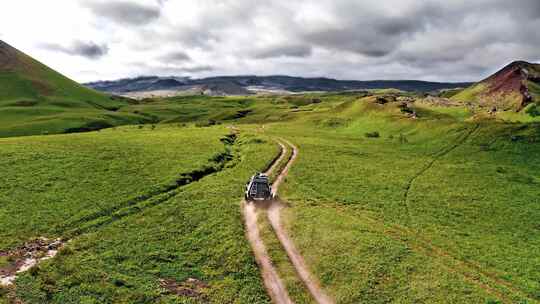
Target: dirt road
{"points": [[273, 283], [274, 286]]}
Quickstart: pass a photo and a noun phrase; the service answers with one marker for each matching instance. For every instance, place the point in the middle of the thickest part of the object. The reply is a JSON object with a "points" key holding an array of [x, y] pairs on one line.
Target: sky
{"points": [[435, 40]]}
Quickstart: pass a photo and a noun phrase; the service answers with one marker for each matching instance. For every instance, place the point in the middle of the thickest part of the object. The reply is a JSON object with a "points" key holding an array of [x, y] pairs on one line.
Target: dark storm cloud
{"points": [[284, 51], [124, 12], [530, 9], [175, 57], [166, 70], [368, 31], [221, 21], [88, 49], [473, 39], [196, 69], [194, 37], [355, 39]]}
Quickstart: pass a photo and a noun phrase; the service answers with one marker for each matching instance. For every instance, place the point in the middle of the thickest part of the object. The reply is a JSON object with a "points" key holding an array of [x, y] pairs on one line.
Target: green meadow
{"points": [[385, 207], [137, 207], [434, 210]]}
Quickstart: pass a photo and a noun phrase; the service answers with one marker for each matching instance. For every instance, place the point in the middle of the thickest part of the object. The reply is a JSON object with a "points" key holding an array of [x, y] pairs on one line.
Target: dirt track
{"points": [[273, 283], [274, 286]]}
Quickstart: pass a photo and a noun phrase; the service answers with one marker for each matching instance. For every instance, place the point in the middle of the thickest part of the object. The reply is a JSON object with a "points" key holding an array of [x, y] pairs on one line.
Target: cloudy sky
{"points": [[439, 40]]}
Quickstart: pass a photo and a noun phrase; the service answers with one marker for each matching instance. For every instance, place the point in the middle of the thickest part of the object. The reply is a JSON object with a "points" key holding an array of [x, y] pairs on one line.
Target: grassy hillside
{"points": [[132, 203], [434, 210], [57, 182], [36, 100], [390, 201], [510, 89]]}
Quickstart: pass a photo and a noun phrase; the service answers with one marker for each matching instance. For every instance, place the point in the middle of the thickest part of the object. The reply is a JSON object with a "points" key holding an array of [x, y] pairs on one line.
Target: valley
{"points": [[385, 195]]}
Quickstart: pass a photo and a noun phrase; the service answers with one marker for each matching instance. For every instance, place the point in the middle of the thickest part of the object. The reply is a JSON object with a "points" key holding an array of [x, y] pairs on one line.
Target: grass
{"points": [[476, 95], [459, 221], [469, 94], [438, 209], [37, 100], [520, 117], [534, 89], [198, 233], [442, 112], [52, 183], [449, 93]]}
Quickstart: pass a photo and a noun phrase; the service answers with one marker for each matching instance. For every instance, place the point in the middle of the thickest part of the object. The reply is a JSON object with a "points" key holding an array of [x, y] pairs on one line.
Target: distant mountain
{"points": [[242, 85], [34, 99], [513, 88]]}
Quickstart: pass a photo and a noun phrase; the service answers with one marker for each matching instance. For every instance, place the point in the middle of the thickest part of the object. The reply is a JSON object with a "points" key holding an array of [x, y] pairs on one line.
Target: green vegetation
{"points": [[449, 93], [442, 112], [534, 90], [37, 100], [533, 110], [527, 116], [429, 219], [441, 208], [470, 94], [387, 91], [56, 182], [115, 186]]}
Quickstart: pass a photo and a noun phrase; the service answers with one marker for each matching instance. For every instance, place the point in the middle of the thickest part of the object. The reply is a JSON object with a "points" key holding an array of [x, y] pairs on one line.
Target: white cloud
{"points": [[369, 39]]}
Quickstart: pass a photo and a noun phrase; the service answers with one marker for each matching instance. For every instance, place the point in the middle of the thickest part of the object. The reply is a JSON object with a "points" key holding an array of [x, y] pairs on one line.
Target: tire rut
{"points": [[272, 282], [443, 152]]}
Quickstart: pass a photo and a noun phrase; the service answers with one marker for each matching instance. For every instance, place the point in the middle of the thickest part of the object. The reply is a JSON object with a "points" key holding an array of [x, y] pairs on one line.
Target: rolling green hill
{"points": [[394, 198], [35, 99], [386, 207]]}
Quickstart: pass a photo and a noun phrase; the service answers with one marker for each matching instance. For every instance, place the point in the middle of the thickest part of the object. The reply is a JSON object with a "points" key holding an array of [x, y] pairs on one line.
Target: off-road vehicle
{"points": [[258, 188]]}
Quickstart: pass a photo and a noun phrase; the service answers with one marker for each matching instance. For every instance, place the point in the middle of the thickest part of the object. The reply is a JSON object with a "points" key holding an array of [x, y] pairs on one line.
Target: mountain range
{"points": [[35, 99], [245, 85]]}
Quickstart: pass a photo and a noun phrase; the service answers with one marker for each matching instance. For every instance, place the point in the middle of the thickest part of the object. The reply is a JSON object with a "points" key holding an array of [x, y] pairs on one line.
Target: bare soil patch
{"points": [[26, 256], [192, 288]]}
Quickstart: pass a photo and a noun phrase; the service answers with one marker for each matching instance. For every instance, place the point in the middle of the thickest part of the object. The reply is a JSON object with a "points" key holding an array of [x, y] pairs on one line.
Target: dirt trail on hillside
{"points": [[274, 286], [273, 283]]}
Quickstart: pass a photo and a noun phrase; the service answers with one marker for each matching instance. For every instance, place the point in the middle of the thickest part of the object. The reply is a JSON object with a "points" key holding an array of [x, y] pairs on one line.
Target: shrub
{"points": [[534, 111], [34, 271], [335, 122], [404, 107], [208, 123], [403, 139], [90, 126], [374, 134], [65, 251]]}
